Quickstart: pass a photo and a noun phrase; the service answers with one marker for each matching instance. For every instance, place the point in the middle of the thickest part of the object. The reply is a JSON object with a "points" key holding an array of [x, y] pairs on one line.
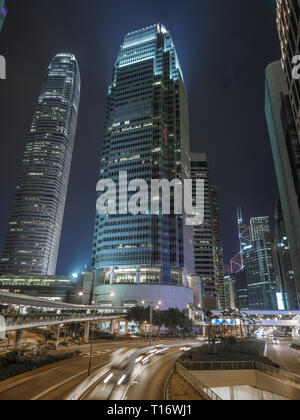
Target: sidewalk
{"points": [[182, 391]]}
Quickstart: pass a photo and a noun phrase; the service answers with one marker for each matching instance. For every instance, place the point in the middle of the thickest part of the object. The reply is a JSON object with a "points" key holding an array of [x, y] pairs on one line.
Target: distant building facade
{"points": [[244, 235], [207, 239], [230, 292], [260, 274], [33, 237], [217, 233], [56, 288], [259, 225], [241, 291]]}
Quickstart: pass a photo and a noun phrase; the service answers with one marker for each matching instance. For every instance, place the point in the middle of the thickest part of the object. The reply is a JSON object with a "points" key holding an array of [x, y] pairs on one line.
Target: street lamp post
{"points": [[151, 316], [93, 327]]}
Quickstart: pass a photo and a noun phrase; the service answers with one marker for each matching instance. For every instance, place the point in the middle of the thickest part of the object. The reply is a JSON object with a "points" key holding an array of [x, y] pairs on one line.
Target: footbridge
{"points": [[22, 312]]}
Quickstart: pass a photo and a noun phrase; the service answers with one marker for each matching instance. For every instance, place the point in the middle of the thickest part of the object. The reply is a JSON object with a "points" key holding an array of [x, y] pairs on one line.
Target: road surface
{"points": [[285, 356], [55, 382], [147, 382]]}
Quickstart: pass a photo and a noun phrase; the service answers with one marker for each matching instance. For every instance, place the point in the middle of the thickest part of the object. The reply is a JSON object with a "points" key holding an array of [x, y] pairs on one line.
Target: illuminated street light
{"points": [[95, 295], [151, 314]]}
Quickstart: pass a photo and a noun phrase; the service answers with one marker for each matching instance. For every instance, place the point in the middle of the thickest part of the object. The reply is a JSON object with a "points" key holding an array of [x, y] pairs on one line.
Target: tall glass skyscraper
{"points": [[147, 135], [288, 23], [3, 13], [283, 115], [258, 225], [260, 273], [209, 265], [284, 268], [286, 155], [33, 237]]}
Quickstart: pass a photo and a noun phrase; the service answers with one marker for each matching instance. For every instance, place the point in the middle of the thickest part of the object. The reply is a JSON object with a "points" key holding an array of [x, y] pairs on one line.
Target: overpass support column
{"points": [[57, 337], [112, 326], [86, 336], [19, 338]]}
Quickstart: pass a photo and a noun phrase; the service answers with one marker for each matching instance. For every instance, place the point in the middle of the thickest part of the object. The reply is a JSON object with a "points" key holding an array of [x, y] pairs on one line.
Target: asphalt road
{"points": [[147, 382], [150, 383], [55, 382], [285, 356]]}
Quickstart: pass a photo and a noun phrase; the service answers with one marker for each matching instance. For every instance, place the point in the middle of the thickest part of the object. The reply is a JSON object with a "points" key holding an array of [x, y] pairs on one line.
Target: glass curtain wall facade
{"points": [[259, 225], [242, 294], [260, 274], [33, 237], [205, 235], [284, 269], [146, 135], [215, 211], [286, 155], [288, 23]]}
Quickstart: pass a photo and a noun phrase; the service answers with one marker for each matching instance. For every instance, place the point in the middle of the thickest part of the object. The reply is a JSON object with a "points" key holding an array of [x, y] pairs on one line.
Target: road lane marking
{"points": [[47, 391], [142, 370]]}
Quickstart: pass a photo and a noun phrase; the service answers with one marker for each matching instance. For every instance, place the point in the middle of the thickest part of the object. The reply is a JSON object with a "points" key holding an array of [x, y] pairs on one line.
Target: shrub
{"points": [[238, 350], [14, 363]]}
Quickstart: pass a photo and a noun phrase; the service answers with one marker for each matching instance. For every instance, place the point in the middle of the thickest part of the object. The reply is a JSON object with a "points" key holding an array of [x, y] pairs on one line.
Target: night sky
{"points": [[223, 47]]}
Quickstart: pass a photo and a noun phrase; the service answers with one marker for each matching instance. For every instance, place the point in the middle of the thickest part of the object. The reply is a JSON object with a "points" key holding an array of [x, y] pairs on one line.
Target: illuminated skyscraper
{"points": [[286, 155], [208, 247], [283, 115], [237, 262], [34, 232], [288, 22], [259, 225], [215, 212], [284, 268], [3, 13], [145, 256], [260, 273]]}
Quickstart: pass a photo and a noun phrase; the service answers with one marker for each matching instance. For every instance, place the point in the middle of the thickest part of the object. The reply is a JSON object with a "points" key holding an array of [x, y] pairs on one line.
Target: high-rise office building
{"points": [[3, 13], [207, 239], [215, 212], [288, 23], [244, 235], [259, 225], [241, 290], [145, 256], [33, 237], [286, 155], [230, 293], [260, 274], [283, 267]]}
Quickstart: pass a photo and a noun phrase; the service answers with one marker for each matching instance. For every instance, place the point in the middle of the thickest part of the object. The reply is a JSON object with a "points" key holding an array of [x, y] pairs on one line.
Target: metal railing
{"points": [[26, 322], [16, 321], [277, 373], [218, 365], [203, 389], [242, 365]]}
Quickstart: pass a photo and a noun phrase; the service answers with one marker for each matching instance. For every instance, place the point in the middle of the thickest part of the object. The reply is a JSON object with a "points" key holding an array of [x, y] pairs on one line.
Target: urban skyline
{"points": [[74, 252], [190, 289]]}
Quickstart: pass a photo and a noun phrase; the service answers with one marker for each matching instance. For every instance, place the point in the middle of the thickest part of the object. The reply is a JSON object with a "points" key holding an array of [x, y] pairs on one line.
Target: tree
{"points": [[138, 314], [159, 320]]}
